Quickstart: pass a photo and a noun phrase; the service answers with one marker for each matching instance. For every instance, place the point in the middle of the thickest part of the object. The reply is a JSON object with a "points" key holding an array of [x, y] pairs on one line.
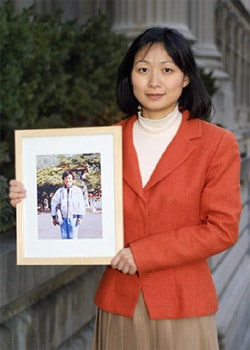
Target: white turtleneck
{"points": [[151, 137]]}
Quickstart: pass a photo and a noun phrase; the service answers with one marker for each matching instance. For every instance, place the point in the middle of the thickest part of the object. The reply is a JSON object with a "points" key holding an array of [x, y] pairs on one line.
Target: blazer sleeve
{"points": [[220, 209]]}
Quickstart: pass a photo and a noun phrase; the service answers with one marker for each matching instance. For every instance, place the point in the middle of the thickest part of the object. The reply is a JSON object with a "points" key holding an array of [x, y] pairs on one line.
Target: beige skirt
{"points": [[115, 332]]}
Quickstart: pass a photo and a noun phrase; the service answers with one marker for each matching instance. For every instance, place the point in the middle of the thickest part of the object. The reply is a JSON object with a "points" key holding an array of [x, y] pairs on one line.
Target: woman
{"points": [[181, 204], [69, 198]]}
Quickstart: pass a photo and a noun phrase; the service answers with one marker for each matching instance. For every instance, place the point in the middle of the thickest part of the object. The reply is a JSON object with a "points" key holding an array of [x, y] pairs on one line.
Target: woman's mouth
{"points": [[155, 96]]}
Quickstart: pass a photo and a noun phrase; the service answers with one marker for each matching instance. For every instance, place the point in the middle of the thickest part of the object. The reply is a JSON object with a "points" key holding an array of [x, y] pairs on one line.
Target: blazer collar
{"points": [[177, 152]]}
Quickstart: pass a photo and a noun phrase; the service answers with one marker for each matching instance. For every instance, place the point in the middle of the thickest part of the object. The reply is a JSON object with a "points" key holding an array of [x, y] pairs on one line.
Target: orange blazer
{"points": [[188, 211]]}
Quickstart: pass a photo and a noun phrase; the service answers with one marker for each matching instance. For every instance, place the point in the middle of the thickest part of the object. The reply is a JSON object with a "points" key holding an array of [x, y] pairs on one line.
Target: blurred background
{"points": [[58, 61]]}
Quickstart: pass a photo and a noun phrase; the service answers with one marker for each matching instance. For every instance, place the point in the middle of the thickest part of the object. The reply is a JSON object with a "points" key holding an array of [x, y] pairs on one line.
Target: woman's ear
{"points": [[186, 81]]}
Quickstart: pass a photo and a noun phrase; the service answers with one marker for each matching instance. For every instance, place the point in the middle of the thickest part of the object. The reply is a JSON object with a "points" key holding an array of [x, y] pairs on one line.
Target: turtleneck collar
{"points": [[159, 125]]}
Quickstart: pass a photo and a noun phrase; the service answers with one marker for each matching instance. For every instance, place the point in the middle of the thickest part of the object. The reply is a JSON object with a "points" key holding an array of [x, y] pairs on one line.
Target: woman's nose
{"points": [[154, 79]]}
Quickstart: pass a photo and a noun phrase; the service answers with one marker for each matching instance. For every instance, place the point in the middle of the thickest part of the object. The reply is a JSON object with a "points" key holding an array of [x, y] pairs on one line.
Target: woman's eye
{"points": [[143, 69], [167, 70]]}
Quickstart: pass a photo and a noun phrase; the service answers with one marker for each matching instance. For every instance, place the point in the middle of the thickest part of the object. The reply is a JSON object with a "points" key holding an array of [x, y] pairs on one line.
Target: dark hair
{"points": [[67, 173], [194, 96]]}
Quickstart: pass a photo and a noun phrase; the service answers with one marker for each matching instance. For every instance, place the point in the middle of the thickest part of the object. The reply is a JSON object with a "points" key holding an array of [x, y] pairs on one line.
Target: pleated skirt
{"points": [[115, 332]]}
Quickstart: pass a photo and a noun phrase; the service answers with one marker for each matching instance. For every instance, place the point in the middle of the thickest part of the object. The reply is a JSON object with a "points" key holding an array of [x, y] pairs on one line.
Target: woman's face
{"points": [[157, 81], [68, 181]]}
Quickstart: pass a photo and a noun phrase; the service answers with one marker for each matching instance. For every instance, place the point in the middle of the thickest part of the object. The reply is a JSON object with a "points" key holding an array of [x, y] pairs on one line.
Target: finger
{"points": [[17, 195], [16, 190], [132, 270], [14, 202], [120, 265], [16, 185], [115, 261], [13, 182], [125, 269]]}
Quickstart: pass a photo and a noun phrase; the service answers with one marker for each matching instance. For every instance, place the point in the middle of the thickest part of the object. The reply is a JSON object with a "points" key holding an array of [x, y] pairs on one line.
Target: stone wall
{"points": [[45, 307]]}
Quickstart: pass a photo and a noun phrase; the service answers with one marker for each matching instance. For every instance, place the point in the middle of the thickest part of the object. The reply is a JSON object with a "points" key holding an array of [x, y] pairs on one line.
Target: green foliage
{"points": [[54, 74], [85, 167], [6, 211]]}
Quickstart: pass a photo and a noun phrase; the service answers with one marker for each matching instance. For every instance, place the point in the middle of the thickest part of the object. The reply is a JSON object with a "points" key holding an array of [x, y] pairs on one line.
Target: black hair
{"points": [[67, 173], [194, 97]]}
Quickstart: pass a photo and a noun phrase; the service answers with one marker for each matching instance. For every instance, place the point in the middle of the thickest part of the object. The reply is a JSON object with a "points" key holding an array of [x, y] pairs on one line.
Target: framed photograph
{"points": [[73, 213]]}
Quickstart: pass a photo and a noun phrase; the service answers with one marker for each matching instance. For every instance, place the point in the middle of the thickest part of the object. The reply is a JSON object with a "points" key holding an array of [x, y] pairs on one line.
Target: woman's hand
{"points": [[124, 261], [17, 192], [79, 221]]}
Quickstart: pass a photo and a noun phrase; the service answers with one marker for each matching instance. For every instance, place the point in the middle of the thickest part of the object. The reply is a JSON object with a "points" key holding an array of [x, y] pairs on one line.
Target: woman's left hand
{"points": [[124, 261]]}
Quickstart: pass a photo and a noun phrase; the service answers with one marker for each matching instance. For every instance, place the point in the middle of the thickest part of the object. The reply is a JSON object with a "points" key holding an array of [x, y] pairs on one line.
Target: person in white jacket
{"points": [[67, 207]]}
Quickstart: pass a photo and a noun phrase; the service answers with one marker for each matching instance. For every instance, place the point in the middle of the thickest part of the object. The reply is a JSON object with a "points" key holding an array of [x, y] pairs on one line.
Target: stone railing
{"points": [[45, 307], [231, 273]]}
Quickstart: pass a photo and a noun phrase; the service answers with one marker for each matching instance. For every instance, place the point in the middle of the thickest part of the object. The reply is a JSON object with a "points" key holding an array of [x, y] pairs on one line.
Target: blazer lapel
{"points": [[178, 150], [131, 171]]}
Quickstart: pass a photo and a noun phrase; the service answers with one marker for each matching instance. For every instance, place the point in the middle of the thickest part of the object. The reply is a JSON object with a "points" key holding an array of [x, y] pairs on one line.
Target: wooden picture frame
{"points": [[41, 158]]}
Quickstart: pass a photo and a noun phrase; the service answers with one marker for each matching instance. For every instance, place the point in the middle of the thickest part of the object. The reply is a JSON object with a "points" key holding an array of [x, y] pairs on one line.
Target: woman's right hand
{"points": [[16, 192]]}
